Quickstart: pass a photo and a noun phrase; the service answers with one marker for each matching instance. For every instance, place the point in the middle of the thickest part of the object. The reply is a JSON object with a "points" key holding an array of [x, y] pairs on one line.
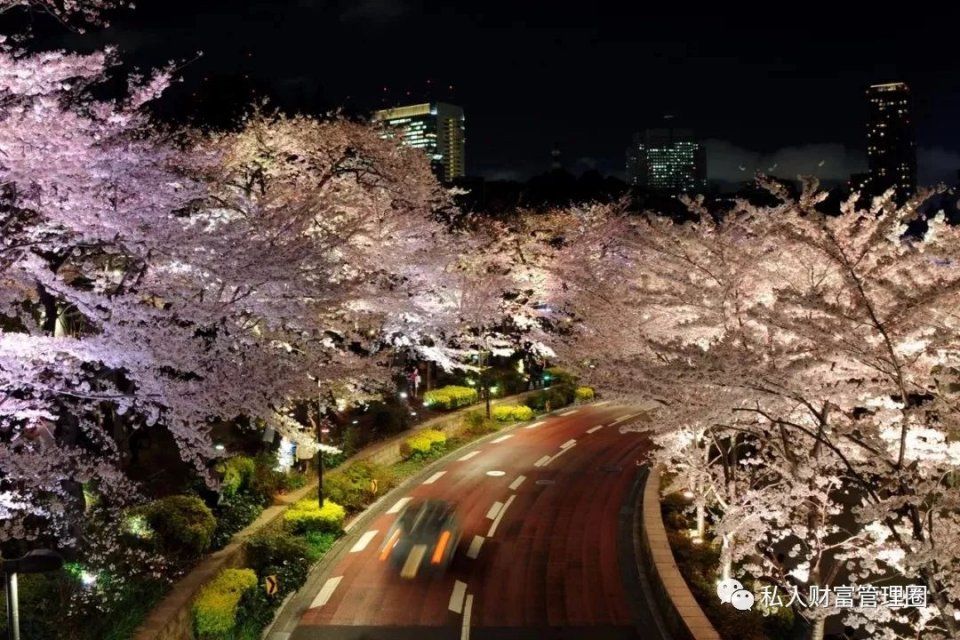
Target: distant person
{"points": [[414, 381]]}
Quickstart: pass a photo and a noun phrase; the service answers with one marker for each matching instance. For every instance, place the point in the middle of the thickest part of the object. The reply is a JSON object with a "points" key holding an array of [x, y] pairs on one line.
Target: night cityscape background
{"points": [[581, 78]]}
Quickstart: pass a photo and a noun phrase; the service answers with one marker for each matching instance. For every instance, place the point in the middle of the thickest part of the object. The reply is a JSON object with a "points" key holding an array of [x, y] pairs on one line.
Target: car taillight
{"points": [[441, 547], [390, 544]]}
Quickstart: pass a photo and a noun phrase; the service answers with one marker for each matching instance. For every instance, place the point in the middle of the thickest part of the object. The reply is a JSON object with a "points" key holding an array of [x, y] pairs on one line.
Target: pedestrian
{"points": [[415, 381]]}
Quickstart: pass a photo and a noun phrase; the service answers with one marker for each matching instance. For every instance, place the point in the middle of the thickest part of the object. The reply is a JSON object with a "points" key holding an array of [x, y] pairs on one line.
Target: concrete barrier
{"points": [[684, 617]]}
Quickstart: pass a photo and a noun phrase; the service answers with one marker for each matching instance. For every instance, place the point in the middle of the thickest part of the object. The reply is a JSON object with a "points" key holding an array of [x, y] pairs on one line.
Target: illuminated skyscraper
{"points": [[891, 149], [437, 128], [667, 160]]}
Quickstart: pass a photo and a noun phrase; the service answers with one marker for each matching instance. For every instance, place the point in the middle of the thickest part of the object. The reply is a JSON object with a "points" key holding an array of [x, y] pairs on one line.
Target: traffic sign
{"points": [[271, 585]]}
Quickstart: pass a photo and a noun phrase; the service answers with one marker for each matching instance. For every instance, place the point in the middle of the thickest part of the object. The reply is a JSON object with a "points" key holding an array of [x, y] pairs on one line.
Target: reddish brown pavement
{"points": [[552, 562]]}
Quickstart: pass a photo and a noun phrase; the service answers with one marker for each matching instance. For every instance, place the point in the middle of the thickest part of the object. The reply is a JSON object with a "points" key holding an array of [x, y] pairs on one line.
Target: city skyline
{"points": [[584, 78]]}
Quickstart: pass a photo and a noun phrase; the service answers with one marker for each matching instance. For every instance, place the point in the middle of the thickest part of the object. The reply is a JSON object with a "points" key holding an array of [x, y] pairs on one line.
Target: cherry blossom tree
{"points": [[822, 345]]}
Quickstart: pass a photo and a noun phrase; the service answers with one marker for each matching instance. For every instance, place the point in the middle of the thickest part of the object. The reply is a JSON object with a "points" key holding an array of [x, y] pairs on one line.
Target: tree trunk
{"points": [[701, 521], [816, 632], [726, 557]]}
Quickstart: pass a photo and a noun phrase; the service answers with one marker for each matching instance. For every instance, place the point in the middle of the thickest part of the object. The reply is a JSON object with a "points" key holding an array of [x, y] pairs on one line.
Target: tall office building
{"points": [[667, 160], [891, 149], [437, 128]]}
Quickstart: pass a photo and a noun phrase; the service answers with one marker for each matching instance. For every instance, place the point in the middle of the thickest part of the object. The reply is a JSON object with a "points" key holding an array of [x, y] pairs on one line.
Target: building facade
{"points": [[667, 160], [437, 128], [891, 148]]}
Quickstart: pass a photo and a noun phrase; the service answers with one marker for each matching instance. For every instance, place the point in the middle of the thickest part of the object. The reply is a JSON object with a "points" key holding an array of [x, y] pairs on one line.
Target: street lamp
{"points": [[38, 561]]}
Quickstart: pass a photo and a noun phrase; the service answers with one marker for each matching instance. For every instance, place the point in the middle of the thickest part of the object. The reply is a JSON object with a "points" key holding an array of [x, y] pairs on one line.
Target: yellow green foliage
{"points": [[307, 515], [237, 474], [424, 443], [450, 397], [215, 609], [512, 413], [584, 394]]}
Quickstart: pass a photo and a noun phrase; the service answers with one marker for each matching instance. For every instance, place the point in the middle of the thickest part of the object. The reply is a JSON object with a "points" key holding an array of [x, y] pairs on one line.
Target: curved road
{"points": [[546, 510]]}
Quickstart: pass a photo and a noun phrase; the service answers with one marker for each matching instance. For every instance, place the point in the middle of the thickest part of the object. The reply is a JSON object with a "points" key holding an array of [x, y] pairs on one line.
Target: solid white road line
{"points": [[542, 461], [535, 424], [456, 598], [496, 522], [568, 444], [412, 566], [465, 631], [400, 504], [324, 596], [364, 541], [516, 483], [502, 438], [468, 456], [562, 451], [568, 413], [494, 510], [475, 545], [596, 428], [434, 477]]}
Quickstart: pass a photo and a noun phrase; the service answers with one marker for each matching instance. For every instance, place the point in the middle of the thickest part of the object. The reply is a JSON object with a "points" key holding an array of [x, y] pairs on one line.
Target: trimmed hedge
{"points": [[351, 487], [307, 515], [477, 423], [557, 396], [184, 524], [450, 397], [584, 394], [512, 413], [280, 553], [237, 474], [215, 609], [424, 443]]}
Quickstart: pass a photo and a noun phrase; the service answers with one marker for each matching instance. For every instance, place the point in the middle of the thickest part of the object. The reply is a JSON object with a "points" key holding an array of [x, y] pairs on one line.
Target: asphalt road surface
{"points": [[547, 548]]}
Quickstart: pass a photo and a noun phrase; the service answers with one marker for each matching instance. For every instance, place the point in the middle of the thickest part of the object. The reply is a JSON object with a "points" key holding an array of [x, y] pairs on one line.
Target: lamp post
{"points": [[38, 561]]}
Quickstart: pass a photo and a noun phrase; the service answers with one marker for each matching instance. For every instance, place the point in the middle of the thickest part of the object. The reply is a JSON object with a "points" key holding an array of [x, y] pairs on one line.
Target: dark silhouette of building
{"points": [[667, 160], [891, 148]]}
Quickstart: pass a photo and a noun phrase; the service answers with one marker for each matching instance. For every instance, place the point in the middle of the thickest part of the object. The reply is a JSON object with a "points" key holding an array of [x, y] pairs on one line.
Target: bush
{"points": [[254, 613], [318, 543], [477, 423], [560, 376], [184, 524], [550, 399], [512, 413], [233, 514], [450, 397], [237, 474], [584, 394], [282, 554], [425, 443], [351, 487], [306, 515], [387, 419], [510, 381], [537, 401], [215, 609]]}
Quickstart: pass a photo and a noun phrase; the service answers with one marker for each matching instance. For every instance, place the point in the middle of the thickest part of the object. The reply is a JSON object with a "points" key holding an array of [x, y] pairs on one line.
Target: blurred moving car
{"points": [[424, 538]]}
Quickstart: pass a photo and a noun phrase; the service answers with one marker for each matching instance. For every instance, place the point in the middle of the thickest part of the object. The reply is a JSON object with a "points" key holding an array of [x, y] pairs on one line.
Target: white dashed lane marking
{"points": [[496, 522], [325, 592], [456, 598], [516, 483], [434, 477], [596, 428], [494, 510], [400, 504], [535, 424], [502, 438], [363, 541], [475, 545], [468, 456]]}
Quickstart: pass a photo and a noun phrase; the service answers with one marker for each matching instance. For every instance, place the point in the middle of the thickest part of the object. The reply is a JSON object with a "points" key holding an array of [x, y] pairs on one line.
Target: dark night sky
{"points": [[780, 83]]}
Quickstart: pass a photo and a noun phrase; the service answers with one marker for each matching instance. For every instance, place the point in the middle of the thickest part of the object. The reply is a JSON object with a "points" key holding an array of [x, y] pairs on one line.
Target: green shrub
{"points": [[254, 613], [476, 423], [351, 487], [556, 375], [550, 399], [306, 515], [215, 609], [280, 553], [512, 413], [450, 397], [584, 394], [387, 419], [510, 381], [184, 524], [425, 443], [237, 474], [536, 400], [318, 543], [233, 514]]}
